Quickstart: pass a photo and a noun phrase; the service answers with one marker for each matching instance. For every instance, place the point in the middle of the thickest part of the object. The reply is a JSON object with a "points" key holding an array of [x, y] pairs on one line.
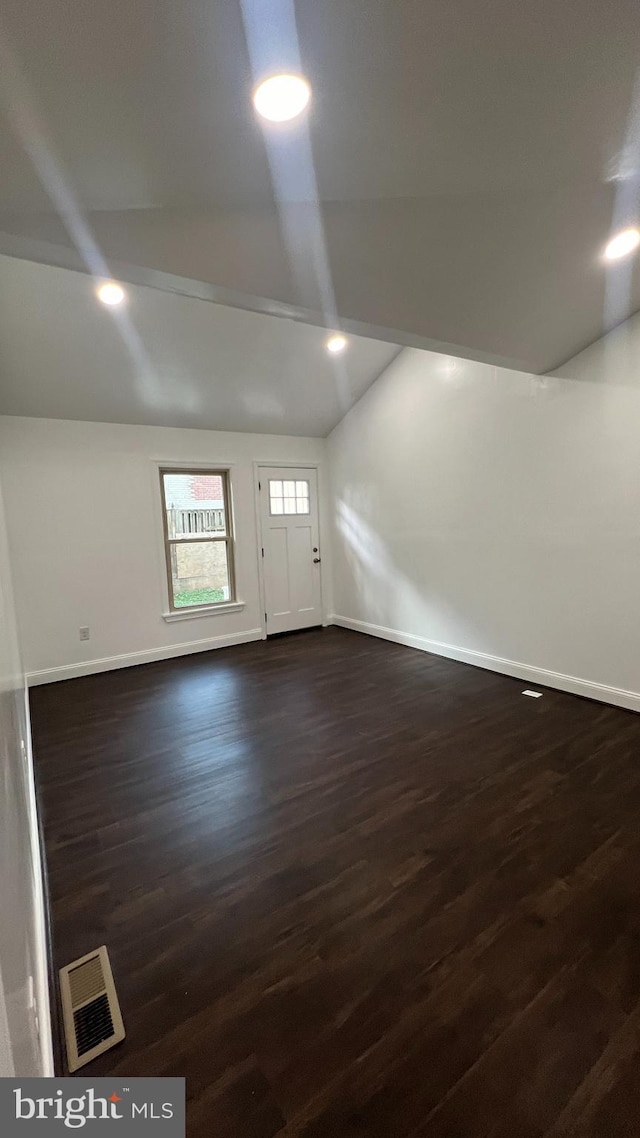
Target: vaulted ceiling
{"points": [[459, 171], [168, 360]]}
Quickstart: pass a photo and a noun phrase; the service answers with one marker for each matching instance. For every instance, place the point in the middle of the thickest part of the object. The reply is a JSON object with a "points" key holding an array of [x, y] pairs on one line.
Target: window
{"points": [[288, 497], [198, 537]]}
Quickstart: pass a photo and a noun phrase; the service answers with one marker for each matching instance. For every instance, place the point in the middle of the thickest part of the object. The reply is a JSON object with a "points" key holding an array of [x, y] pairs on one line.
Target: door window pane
{"points": [[199, 573], [288, 496], [302, 497]]}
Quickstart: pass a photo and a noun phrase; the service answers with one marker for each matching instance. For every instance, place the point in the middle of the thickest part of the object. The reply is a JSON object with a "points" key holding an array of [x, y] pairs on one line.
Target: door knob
{"points": [[316, 560]]}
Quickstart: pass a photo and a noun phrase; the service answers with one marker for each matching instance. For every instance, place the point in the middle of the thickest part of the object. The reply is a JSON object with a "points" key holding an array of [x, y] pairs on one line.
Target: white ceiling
{"points": [[168, 360], [470, 158]]}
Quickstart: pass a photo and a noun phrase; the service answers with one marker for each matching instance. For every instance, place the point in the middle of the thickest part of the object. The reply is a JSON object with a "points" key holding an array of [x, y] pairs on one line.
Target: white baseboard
{"points": [[130, 659], [42, 1005], [572, 684]]}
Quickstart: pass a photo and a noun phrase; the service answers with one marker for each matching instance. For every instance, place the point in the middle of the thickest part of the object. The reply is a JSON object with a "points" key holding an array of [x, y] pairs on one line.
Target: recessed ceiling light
{"points": [[622, 244], [281, 97], [336, 343], [111, 293]]}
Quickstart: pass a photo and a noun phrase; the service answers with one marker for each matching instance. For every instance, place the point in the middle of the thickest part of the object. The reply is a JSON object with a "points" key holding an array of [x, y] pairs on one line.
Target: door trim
{"points": [[264, 465]]}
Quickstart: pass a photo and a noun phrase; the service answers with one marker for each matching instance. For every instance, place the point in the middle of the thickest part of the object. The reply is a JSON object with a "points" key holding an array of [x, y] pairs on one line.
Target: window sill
{"points": [[204, 610]]}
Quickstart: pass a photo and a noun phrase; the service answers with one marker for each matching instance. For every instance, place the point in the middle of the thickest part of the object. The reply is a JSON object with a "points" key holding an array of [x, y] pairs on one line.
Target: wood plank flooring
{"points": [[349, 888]]}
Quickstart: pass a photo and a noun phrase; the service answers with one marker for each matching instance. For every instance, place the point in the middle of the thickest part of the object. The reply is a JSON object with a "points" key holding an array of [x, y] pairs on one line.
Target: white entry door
{"points": [[290, 548]]}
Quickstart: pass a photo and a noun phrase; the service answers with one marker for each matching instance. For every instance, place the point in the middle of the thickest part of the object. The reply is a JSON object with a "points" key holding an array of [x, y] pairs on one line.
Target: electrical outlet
{"points": [[84, 633]]}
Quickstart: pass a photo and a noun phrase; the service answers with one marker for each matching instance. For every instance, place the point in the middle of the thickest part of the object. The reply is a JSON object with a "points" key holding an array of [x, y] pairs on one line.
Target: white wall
{"points": [[25, 1039], [84, 522], [613, 359], [482, 513], [494, 516]]}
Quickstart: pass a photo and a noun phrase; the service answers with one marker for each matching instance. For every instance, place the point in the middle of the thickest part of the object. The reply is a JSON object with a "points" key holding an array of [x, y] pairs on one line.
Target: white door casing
{"points": [[291, 557]]}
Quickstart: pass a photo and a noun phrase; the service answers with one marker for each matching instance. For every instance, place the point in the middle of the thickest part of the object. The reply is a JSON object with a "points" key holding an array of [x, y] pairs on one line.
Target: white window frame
{"points": [[215, 608]]}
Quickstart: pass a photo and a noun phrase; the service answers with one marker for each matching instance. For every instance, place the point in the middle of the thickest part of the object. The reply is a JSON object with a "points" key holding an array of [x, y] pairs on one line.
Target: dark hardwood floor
{"points": [[352, 889]]}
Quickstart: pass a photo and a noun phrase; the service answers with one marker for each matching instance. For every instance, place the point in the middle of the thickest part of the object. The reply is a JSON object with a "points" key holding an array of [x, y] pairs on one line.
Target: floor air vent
{"points": [[90, 1008]]}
